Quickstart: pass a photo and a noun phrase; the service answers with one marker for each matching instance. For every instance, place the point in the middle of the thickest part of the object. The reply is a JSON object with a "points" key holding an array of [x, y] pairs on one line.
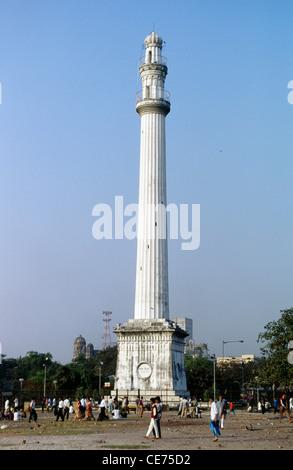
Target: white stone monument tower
{"points": [[150, 346]]}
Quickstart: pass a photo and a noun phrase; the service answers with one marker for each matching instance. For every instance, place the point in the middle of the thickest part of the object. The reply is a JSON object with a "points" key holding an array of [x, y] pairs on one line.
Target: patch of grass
{"points": [[68, 429], [51, 428], [73, 432]]}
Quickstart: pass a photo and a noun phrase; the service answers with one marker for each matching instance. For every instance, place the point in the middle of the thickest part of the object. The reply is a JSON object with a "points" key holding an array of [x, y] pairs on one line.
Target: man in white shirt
{"points": [[184, 403], [54, 406], [102, 408], [83, 404], [6, 407], [110, 405], [66, 408], [214, 423], [33, 413], [60, 410]]}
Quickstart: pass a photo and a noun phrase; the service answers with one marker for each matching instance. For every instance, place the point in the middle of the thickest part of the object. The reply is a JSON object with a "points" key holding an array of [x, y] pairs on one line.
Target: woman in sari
{"points": [[88, 411], [78, 415]]}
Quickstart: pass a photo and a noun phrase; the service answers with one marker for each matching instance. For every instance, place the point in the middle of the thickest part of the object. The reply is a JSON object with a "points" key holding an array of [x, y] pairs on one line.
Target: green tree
{"points": [[230, 378], [199, 375], [7, 372], [274, 369], [83, 375], [31, 369]]}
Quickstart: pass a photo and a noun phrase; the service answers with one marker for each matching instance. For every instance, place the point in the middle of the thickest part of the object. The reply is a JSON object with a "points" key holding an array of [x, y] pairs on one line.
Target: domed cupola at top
{"points": [[153, 40], [153, 47]]}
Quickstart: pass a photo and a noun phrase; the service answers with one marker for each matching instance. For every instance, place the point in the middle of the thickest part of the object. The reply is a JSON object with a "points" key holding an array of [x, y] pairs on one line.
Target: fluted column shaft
{"points": [[151, 295]]}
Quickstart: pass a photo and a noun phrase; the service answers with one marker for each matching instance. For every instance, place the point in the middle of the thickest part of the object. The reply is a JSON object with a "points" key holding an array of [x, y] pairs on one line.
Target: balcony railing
{"points": [[156, 94], [159, 60]]}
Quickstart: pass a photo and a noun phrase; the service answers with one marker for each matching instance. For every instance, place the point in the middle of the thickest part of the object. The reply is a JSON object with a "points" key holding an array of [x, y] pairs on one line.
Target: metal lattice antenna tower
{"points": [[107, 334]]}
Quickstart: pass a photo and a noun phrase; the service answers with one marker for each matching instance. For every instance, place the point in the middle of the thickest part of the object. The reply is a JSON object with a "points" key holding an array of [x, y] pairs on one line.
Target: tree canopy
{"points": [[275, 368]]}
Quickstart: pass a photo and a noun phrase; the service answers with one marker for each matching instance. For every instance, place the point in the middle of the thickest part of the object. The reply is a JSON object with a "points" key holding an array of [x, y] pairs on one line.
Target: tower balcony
{"points": [[145, 60], [150, 93], [150, 103]]}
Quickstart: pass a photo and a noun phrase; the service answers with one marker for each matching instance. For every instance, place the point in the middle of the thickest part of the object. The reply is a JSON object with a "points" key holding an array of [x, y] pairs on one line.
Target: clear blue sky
{"points": [[69, 139]]}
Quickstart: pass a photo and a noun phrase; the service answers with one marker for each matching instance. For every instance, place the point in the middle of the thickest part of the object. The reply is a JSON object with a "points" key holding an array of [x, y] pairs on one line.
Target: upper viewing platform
{"points": [[148, 59], [149, 93]]}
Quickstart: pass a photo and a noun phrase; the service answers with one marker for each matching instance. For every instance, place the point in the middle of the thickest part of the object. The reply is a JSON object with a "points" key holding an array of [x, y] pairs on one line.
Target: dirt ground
{"points": [[242, 431]]}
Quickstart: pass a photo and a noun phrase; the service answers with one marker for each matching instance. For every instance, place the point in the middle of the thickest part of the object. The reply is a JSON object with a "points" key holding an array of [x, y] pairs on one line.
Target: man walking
{"points": [[102, 409], [33, 413], [83, 405], [284, 408], [137, 406], [214, 423], [54, 406], [158, 416], [184, 403], [48, 404], [222, 411], [66, 408], [153, 423], [60, 410], [231, 408], [141, 406], [16, 404]]}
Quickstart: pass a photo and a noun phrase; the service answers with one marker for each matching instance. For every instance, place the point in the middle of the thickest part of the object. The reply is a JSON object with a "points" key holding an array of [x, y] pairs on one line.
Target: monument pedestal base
{"points": [[150, 360]]}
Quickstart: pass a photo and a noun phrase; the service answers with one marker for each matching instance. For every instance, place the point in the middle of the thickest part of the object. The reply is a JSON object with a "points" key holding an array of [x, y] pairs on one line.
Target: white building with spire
{"points": [[150, 346]]}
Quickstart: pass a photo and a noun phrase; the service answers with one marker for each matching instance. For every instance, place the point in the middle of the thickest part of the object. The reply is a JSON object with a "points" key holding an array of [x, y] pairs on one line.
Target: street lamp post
{"points": [[21, 382], [225, 342], [257, 390], [100, 373], [242, 364], [214, 359], [116, 381], [45, 375], [55, 383]]}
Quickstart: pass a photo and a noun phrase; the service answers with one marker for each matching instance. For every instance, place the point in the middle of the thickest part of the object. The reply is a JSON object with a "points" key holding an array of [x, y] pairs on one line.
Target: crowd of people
{"points": [[113, 408], [81, 409], [283, 406], [189, 408], [12, 411]]}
